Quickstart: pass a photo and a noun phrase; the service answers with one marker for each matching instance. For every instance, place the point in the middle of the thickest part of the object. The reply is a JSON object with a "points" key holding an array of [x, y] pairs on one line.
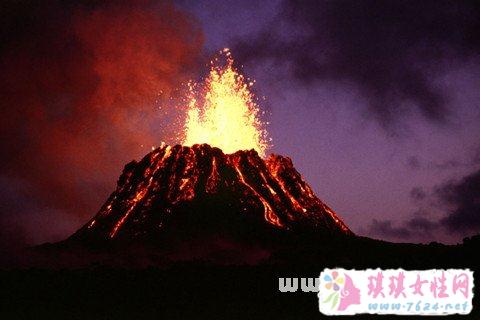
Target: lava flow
{"points": [[201, 183]]}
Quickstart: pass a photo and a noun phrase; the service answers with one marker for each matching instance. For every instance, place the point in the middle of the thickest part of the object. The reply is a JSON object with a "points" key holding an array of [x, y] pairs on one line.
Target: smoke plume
{"points": [[81, 85]]}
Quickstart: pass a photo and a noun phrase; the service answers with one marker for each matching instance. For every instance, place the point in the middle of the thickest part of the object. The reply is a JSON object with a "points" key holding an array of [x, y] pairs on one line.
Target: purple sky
{"points": [[376, 102]]}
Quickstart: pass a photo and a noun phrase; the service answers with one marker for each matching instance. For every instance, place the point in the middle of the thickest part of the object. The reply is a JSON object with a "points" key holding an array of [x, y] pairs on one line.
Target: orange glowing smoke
{"points": [[228, 117]]}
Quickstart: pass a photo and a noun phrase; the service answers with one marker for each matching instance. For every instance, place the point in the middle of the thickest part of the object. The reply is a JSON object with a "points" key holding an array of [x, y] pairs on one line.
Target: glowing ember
{"points": [[229, 116]]}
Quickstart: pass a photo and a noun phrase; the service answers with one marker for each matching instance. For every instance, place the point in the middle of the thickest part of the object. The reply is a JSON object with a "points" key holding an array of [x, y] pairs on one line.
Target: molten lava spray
{"points": [[223, 113]]}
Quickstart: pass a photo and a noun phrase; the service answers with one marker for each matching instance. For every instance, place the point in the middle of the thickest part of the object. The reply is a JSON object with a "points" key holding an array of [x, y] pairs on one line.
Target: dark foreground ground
{"points": [[199, 290]]}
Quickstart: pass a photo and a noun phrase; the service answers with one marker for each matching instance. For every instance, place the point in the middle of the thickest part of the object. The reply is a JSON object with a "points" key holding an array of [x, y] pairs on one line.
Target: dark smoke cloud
{"points": [[417, 228], [79, 84], [417, 193], [415, 163], [463, 201], [389, 49], [459, 202], [386, 229], [420, 225]]}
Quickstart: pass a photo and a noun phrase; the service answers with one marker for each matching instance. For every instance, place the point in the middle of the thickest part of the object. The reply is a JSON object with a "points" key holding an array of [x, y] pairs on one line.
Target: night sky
{"points": [[376, 102]]}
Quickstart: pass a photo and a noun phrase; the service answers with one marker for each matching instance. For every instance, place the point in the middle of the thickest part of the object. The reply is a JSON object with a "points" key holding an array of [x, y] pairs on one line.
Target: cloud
{"points": [[458, 202], [386, 229], [391, 50], [417, 194], [414, 163], [462, 198], [417, 228], [420, 224], [80, 88]]}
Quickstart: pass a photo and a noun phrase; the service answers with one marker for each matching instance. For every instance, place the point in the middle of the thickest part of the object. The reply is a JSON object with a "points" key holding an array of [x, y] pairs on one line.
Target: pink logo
{"points": [[395, 291], [343, 292]]}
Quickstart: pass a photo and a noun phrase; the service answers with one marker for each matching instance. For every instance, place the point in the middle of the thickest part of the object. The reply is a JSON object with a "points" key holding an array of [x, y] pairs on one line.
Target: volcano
{"points": [[195, 190], [206, 190]]}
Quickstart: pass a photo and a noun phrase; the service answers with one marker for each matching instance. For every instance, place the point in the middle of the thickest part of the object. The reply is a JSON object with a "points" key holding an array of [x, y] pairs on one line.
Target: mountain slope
{"points": [[199, 183]]}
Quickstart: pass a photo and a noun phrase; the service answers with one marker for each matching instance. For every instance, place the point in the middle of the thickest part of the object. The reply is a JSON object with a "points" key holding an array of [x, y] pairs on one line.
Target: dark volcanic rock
{"points": [[200, 191]]}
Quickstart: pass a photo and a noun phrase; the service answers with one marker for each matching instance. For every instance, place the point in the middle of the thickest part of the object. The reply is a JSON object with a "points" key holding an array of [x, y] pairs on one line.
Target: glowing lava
{"points": [[228, 117], [172, 179]]}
